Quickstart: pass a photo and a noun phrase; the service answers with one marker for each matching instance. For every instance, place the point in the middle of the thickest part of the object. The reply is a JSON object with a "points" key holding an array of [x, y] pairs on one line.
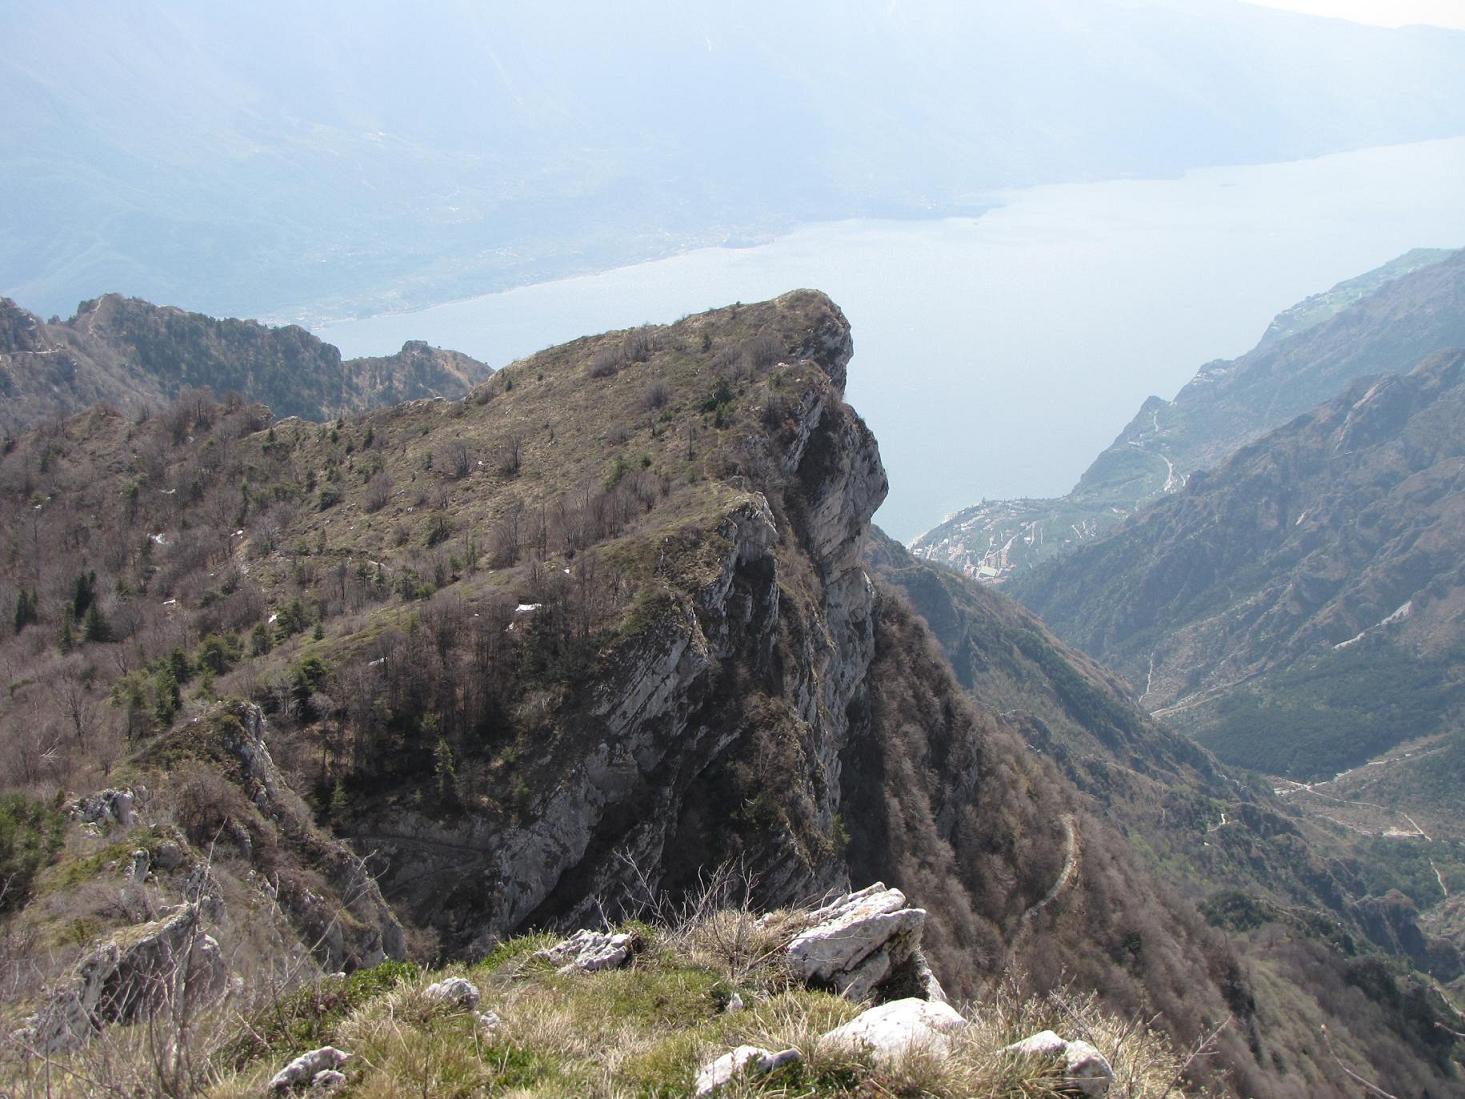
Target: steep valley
{"points": [[1294, 609], [1317, 565]]}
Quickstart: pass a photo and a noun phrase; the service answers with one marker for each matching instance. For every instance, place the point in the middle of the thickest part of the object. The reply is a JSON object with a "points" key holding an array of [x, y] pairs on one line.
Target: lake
{"points": [[996, 356]]}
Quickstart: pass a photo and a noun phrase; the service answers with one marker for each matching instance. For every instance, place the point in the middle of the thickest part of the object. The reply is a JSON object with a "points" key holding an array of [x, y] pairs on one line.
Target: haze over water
{"points": [[996, 356]]}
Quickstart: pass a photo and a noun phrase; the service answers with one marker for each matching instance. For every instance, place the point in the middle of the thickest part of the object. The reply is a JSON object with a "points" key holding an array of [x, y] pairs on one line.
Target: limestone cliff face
{"points": [[329, 895], [640, 796]]}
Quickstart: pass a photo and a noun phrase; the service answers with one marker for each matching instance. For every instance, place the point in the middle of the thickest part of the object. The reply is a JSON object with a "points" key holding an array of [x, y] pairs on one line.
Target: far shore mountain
{"points": [[1381, 322], [293, 181]]}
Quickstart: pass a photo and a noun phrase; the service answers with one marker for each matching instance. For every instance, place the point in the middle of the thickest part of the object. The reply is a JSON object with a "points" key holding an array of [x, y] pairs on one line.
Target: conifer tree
{"points": [[95, 626], [25, 609]]}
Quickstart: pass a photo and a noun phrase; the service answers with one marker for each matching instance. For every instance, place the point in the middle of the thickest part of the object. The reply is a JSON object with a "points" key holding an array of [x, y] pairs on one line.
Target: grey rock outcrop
{"points": [[899, 1027], [133, 976], [745, 1060], [169, 855], [862, 942], [1085, 1069], [458, 992], [106, 808], [317, 1068], [590, 951], [138, 865]]}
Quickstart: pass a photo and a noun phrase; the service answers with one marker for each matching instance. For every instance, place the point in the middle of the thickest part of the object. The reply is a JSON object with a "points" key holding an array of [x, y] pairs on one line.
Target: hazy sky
{"points": [[1387, 13]]}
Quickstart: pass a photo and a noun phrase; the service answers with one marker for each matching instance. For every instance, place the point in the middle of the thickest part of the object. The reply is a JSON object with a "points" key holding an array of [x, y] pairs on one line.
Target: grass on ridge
{"points": [[645, 1030]]}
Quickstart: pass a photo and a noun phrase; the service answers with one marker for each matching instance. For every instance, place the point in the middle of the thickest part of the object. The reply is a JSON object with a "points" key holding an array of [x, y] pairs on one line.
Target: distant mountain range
{"points": [[129, 353], [1384, 321], [329, 159]]}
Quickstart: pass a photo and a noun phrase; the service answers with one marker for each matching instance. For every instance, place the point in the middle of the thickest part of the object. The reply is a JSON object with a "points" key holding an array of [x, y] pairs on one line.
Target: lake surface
{"points": [[996, 356]]}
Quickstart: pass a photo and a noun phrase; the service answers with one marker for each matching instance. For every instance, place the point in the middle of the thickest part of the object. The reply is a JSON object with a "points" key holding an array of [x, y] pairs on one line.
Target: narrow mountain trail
{"points": [[476, 857], [1199, 698], [1067, 875], [1073, 854], [1415, 825], [415, 841], [1172, 480]]}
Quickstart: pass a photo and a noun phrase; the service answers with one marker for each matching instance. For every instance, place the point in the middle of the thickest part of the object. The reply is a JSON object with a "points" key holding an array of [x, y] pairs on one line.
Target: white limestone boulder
{"points": [[318, 1064], [899, 1027], [590, 951], [1045, 1043], [457, 992], [861, 941], [750, 1060], [1086, 1070]]}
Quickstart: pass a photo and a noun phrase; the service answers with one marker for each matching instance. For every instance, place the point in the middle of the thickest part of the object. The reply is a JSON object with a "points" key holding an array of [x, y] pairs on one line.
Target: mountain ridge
{"points": [[594, 628], [131, 353]]}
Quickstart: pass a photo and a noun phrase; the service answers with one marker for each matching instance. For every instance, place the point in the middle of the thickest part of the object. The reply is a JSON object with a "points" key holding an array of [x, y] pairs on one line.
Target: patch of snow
{"points": [[1172, 482]]}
